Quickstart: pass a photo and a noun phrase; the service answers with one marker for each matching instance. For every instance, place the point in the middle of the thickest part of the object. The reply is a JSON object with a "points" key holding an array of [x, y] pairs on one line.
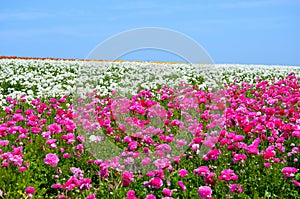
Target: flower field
{"points": [[78, 129]]}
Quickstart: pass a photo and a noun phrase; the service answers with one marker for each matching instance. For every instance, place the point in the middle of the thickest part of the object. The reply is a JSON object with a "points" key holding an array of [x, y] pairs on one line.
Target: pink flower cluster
{"points": [[262, 121], [227, 175], [77, 180], [127, 178], [289, 172], [204, 171]]}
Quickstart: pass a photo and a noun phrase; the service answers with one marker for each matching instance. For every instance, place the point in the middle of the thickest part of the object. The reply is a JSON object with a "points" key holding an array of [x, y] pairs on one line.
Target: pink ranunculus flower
{"points": [[204, 192], [239, 158], [150, 196], [80, 138], [127, 178], [54, 128], [66, 155], [210, 178], [146, 161], [181, 185], [71, 183], [51, 159], [201, 171], [131, 194], [289, 172], [181, 143], [162, 163], [156, 183], [267, 164], [270, 152], [228, 174], [57, 186], [4, 142], [236, 188], [29, 191], [132, 145], [167, 192], [84, 184], [18, 117], [92, 196], [296, 133], [183, 172], [77, 172], [212, 155], [22, 169], [296, 183]]}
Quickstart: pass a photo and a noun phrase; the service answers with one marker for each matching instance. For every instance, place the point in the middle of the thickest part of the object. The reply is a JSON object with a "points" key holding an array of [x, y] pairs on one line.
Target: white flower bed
{"points": [[40, 79]]}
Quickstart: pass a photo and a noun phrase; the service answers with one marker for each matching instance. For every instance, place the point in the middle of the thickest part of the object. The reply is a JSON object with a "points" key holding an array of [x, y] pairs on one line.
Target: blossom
{"points": [[180, 143], [22, 169], [289, 171], [183, 172], [52, 143], [296, 183], [181, 185], [146, 161], [247, 129], [227, 175], [4, 142], [269, 115], [296, 134], [150, 196], [167, 192], [205, 192], [270, 152], [77, 172], [162, 163], [92, 196], [267, 165], [209, 178], [127, 178], [3, 194], [239, 158], [51, 159], [15, 158], [71, 183], [66, 155], [201, 171], [29, 191], [18, 117], [236, 188], [132, 145], [156, 183], [61, 196], [212, 155], [54, 128], [57, 186], [84, 183], [80, 138], [131, 194], [164, 147]]}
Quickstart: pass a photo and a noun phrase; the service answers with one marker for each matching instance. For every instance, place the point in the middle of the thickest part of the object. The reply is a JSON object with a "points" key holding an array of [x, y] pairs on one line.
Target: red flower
{"points": [[247, 129], [143, 103]]}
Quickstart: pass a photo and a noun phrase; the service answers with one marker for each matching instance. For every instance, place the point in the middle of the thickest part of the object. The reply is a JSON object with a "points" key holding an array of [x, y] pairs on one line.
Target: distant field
{"points": [[102, 129]]}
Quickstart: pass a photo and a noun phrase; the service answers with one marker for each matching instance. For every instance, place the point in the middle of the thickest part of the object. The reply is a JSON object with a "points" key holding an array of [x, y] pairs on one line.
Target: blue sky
{"points": [[250, 32]]}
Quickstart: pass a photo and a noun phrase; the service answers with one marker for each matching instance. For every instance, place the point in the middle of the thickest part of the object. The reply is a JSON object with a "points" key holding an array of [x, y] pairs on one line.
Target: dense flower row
{"points": [[174, 143], [55, 78]]}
